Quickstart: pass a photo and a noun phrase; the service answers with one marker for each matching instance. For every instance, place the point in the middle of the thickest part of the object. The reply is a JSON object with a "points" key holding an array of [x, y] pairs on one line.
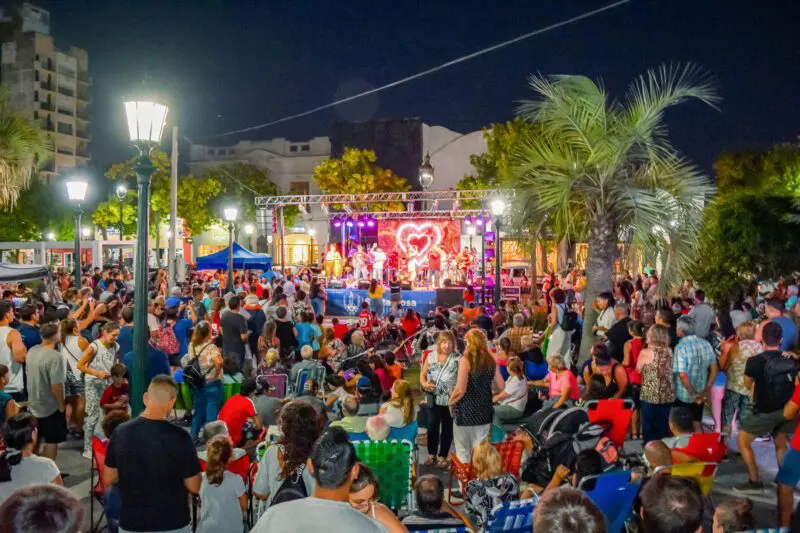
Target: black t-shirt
{"points": [[284, 331], [754, 369], [233, 326], [153, 458], [617, 336]]}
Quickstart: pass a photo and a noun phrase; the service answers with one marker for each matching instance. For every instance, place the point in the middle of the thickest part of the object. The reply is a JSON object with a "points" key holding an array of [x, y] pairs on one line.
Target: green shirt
{"points": [[352, 424]]}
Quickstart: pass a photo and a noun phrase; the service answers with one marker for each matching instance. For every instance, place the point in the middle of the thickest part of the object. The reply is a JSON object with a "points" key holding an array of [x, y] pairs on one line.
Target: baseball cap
{"points": [[172, 301], [363, 383]]}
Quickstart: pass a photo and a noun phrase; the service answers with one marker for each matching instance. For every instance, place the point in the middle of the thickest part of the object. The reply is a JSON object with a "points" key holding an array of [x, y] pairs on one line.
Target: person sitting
{"points": [[491, 486], [671, 503], [502, 353], [587, 463], [734, 515], [595, 390], [614, 374], [350, 421], [284, 464], [394, 368], [681, 426], [239, 415], [335, 393], [563, 387], [567, 510], [43, 509], [334, 467], [271, 365], [510, 402], [19, 466], [384, 377], [306, 362], [310, 395], [115, 397], [433, 512], [399, 410], [223, 493], [377, 428], [231, 374], [364, 495], [208, 432]]}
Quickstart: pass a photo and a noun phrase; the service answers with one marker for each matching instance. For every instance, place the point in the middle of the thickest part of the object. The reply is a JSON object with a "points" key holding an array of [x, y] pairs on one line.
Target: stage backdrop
{"points": [[394, 236]]}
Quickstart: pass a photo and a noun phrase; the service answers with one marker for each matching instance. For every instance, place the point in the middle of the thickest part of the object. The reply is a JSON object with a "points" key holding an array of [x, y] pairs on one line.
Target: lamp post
{"points": [[76, 192], [498, 206], [122, 192], [249, 229], [145, 124], [426, 174], [231, 214]]}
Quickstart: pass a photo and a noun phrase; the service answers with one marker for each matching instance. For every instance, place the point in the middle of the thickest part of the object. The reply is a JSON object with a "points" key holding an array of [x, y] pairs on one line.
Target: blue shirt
{"points": [[125, 339], [181, 329], [157, 364], [694, 356], [789, 330], [30, 335], [305, 334]]}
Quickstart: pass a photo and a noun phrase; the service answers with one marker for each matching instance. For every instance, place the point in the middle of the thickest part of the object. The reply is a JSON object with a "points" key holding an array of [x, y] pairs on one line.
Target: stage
{"points": [[347, 302]]}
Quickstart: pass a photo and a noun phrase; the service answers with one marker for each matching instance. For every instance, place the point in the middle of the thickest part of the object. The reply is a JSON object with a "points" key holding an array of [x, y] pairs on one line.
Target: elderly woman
{"points": [[516, 332], [657, 394], [562, 384]]}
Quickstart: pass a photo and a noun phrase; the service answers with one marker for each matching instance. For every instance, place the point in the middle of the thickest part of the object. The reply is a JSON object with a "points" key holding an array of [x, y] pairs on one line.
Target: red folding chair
{"points": [[510, 462], [616, 414], [706, 447], [240, 466], [97, 491]]}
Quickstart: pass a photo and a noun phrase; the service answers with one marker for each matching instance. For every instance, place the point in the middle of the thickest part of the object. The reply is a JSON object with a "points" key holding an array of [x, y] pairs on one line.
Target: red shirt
{"points": [[386, 378], [112, 394], [339, 330], [410, 326], [434, 261], [469, 296], [364, 320], [796, 439], [235, 413]]}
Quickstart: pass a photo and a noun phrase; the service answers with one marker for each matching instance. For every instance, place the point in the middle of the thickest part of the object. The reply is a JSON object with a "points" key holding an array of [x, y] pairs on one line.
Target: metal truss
{"points": [[445, 214], [379, 197]]}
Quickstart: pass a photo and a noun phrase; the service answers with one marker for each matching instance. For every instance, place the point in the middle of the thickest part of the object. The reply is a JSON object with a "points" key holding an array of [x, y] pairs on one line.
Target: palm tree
{"points": [[24, 148], [604, 171]]}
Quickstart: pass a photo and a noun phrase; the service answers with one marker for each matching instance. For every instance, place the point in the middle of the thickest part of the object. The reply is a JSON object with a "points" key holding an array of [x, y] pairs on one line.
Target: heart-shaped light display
{"points": [[424, 236]]}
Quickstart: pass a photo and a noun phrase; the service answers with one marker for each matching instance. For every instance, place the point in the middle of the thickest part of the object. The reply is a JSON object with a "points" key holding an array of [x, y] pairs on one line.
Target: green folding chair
{"points": [[391, 462]]}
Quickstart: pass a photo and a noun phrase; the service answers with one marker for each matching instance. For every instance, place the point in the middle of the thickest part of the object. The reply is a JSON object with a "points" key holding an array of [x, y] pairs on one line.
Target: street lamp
{"points": [[76, 192], [122, 192], [231, 214], [145, 124], [498, 206]]}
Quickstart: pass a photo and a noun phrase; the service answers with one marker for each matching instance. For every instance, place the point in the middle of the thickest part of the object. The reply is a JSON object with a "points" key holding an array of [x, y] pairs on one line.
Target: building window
{"points": [[212, 151], [293, 148], [305, 147], [35, 75], [35, 96], [35, 115], [64, 128], [37, 57]]}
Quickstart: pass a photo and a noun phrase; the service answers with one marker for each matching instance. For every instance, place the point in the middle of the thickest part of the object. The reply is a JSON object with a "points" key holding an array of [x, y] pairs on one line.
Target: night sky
{"points": [[229, 64]]}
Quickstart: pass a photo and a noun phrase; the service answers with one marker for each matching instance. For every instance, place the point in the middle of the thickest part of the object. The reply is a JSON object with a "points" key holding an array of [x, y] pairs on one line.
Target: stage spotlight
{"points": [[479, 220], [361, 224], [468, 220], [370, 223], [349, 223], [337, 223]]}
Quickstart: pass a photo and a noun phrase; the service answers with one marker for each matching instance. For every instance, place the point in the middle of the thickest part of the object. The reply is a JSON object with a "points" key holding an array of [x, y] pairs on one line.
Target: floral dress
{"points": [[657, 377], [481, 496], [448, 372]]}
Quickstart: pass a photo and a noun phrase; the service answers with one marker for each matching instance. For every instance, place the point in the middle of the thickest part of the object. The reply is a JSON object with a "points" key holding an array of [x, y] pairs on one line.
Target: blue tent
{"points": [[242, 259]]}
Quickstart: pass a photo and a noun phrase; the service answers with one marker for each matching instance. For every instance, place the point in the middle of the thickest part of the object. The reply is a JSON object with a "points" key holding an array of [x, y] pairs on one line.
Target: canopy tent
{"points": [[242, 259], [10, 272]]}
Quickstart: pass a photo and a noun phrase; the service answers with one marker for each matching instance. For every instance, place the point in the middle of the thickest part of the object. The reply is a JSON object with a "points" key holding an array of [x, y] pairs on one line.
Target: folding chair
{"points": [[510, 460], [614, 494], [278, 382], [511, 517], [357, 437], [616, 413], [392, 464], [706, 447], [704, 473], [97, 491], [446, 530]]}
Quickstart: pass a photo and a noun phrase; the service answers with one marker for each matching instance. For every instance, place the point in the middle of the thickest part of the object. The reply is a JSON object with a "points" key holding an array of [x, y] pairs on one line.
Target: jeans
{"points": [[506, 413], [316, 305], [206, 405], [655, 421], [439, 419]]}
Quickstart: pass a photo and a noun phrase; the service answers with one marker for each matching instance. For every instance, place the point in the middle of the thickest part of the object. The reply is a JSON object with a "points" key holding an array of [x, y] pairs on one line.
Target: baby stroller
{"points": [[559, 435]]}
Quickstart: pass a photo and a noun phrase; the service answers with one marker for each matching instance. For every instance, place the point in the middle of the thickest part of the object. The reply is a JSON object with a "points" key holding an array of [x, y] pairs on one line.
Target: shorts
{"points": [[74, 385], [762, 423], [695, 408], [633, 392], [53, 428], [732, 403], [396, 297], [789, 472]]}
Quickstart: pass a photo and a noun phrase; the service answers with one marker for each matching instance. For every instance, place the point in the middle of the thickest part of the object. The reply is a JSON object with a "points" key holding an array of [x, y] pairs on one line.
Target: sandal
{"points": [[429, 460], [443, 462]]}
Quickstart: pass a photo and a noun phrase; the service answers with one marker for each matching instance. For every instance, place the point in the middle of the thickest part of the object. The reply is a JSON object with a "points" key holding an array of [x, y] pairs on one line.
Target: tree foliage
{"points": [[107, 215], [39, 210], [356, 172], [240, 184], [773, 171], [597, 167]]}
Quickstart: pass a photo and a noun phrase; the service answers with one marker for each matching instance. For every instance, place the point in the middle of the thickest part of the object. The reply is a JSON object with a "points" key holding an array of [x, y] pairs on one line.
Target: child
{"points": [[338, 329], [631, 356], [502, 354], [364, 318], [222, 493], [115, 397], [511, 401], [399, 410], [394, 368]]}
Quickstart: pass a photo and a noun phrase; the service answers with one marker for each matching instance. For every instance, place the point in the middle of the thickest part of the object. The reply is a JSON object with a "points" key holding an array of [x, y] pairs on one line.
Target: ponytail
{"points": [[219, 454], [201, 332]]}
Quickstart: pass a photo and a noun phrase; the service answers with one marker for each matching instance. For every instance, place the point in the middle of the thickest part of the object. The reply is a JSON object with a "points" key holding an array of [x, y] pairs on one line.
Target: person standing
{"points": [[29, 325], [774, 309], [234, 332], [617, 335], [378, 262], [46, 376], [375, 294], [12, 352], [438, 379], [153, 484], [657, 396], [206, 400], [471, 399], [96, 363], [695, 364], [560, 342], [435, 266], [702, 315]]}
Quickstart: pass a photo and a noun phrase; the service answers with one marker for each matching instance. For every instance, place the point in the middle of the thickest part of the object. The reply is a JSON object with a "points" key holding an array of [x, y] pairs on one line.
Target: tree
{"points": [[39, 210], [240, 184], [195, 199], [106, 215], [24, 148], [356, 173], [773, 171], [598, 166]]}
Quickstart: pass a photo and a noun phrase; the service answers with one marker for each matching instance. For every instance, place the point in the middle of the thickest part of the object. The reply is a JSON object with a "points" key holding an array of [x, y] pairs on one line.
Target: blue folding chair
{"points": [[407, 432], [355, 437], [445, 530], [614, 494], [511, 517]]}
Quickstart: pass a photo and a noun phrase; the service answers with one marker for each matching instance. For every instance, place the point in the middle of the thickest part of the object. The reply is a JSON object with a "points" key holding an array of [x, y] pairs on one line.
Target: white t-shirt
{"points": [[104, 356], [394, 415], [268, 478], [32, 470], [517, 390], [152, 322]]}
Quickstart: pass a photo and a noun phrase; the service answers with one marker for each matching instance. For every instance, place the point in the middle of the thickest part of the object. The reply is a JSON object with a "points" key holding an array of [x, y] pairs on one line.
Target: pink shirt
{"points": [[557, 384]]}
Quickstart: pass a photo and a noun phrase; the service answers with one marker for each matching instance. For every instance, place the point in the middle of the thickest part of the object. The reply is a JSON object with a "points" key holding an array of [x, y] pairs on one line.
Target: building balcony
{"points": [[82, 115], [65, 151], [48, 86], [84, 78], [47, 106], [83, 134], [68, 112], [48, 65], [84, 154], [65, 91], [48, 125], [84, 95]]}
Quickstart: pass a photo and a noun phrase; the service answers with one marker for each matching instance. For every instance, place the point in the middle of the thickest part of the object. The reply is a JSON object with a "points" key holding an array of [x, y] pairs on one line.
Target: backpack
{"points": [[195, 378], [167, 341], [292, 488], [779, 373], [569, 322]]}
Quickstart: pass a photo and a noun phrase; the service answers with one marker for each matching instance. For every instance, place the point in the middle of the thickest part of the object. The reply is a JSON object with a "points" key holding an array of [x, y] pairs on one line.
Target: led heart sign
{"points": [[424, 236]]}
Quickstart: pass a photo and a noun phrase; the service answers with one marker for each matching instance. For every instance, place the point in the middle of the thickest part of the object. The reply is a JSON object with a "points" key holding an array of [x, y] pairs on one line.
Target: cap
{"points": [[173, 301], [363, 383]]}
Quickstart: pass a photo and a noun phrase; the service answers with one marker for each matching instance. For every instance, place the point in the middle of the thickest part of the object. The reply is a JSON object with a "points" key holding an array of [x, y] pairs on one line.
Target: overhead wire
{"points": [[492, 48]]}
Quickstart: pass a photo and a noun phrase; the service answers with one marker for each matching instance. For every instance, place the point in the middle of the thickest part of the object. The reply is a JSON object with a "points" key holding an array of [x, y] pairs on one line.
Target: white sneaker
{"points": [[88, 454]]}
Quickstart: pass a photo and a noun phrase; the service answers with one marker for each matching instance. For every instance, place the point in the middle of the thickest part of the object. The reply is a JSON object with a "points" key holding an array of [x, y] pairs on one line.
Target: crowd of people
{"points": [[266, 378]]}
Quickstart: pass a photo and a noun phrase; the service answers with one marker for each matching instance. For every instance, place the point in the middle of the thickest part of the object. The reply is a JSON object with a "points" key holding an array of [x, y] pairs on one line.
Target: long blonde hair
{"points": [[219, 455], [486, 463], [477, 350], [404, 399]]}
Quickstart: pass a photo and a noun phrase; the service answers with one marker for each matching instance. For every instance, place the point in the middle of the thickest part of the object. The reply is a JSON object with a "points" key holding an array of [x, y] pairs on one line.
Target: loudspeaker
{"points": [[363, 284], [336, 284], [405, 286], [449, 297]]}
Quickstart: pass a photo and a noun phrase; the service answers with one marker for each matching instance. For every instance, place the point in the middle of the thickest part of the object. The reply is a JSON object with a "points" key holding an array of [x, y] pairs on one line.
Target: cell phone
{"points": [[214, 328]]}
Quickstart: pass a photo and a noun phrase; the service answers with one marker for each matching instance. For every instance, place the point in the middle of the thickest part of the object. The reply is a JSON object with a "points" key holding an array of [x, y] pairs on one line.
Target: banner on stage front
{"points": [[347, 302]]}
